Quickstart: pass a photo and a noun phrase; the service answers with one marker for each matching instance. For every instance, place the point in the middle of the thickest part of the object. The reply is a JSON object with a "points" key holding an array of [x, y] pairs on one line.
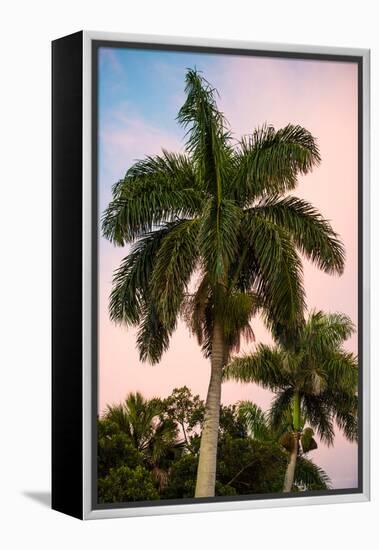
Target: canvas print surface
{"points": [[227, 279]]}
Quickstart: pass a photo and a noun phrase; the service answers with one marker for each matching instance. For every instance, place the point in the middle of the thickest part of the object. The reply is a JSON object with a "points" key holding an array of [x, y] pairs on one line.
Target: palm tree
{"points": [[307, 474], [152, 434], [315, 381], [218, 211]]}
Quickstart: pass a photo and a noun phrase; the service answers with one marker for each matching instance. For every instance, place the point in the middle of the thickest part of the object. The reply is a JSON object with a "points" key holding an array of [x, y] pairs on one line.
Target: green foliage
{"points": [[250, 466], [152, 433], [279, 272], [251, 459], [269, 161], [125, 484], [309, 476], [208, 140], [187, 411], [131, 280], [182, 478], [218, 237], [313, 235], [115, 449], [255, 420], [155, 189], [244, 467], [174, 264], [265, 367], [231, 422], [314, 365]]}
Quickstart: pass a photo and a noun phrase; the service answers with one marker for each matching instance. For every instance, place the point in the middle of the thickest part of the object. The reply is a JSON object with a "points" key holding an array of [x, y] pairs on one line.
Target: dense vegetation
{"points": [[149, 449]]}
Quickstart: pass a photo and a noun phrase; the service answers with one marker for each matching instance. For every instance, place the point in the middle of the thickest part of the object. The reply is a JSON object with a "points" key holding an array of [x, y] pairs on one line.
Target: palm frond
{"points": [[131, 279], [324, 333], [207, 134], [153, 337], [218, 236], [194, 308], [135, 417], [312, 234], [319, 415], [155, 190], [342, 371], [310, 476], [174, 263], [266, 367], [280, 416], [236, 312], [280, 272], [116, 415], [345, 409], [255, 419], [269, 162]]}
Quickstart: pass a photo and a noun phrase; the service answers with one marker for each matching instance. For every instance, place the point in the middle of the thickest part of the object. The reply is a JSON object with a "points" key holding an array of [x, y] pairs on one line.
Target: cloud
{"points": [[125, 138]]}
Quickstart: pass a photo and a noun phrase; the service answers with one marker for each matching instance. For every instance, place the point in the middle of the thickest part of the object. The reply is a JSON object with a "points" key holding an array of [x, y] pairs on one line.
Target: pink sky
{"points": [[322, 96]]}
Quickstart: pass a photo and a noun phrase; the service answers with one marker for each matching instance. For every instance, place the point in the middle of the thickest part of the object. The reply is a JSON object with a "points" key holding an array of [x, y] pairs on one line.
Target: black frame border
{"points": [[67, 270]]}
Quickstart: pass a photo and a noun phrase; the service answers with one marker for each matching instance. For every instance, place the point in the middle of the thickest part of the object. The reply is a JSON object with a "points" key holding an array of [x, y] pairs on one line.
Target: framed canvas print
{"points": [[210, 275]]}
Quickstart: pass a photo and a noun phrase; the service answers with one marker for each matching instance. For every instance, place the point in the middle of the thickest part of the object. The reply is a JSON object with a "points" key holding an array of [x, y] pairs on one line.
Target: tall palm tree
{"points": [[217, 211], [315, 381], [307, 475], [153, 434]]}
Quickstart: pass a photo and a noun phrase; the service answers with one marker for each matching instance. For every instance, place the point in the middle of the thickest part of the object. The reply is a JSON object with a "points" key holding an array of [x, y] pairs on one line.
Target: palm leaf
{"points": [[154, 191], [264, 367], [255, 419], [207, 136], [325, 333], [342, 371], [345, 407], [312, 234], [153, 337], [174, 263], [319, 415], [310, 476], [280, 410], [269, 161], [218, 236], [280, 273], [132, 278]]}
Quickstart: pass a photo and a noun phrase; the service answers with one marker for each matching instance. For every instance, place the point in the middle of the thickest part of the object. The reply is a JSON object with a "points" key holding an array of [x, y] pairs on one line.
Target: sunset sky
{"points": [[140, 93]]}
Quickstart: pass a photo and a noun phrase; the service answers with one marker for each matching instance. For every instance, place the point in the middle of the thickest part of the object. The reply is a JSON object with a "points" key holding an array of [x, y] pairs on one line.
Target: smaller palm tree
{"points": [[153, 434], [308, 475], [315, 381]]}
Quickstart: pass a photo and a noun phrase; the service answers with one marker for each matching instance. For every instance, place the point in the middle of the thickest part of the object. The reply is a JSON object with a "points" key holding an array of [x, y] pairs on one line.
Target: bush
{"points": [[125, 485], [114, 449]]}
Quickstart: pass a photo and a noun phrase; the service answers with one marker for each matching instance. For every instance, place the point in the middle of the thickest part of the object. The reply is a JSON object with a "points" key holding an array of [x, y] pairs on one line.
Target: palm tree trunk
{"points": [[291, 467], [206, 471], [290, 472]]}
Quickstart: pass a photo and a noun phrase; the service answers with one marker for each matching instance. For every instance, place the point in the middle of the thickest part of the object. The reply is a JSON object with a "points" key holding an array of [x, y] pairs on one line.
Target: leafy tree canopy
{"points": [[251, 460]]}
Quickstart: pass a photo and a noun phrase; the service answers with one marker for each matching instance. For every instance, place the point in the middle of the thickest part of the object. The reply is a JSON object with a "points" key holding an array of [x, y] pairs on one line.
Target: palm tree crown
{"points": [[318, 368], [314, 379], [218, 211], [142, 421]]}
